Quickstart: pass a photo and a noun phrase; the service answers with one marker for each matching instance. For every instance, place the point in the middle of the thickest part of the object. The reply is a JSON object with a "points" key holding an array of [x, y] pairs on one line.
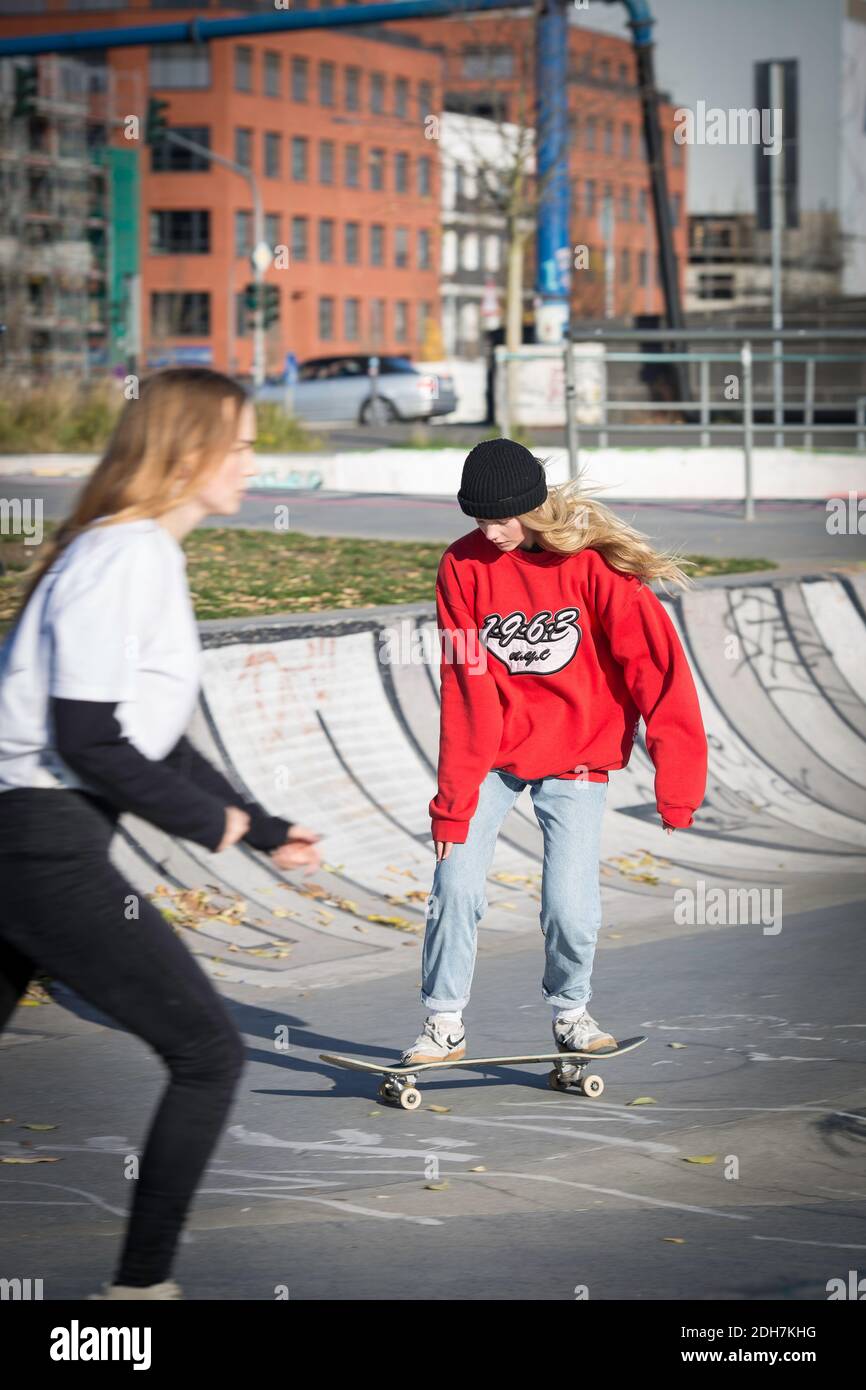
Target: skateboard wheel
{"points": [[410, 1099], [592, 1086], [556, 1081]]}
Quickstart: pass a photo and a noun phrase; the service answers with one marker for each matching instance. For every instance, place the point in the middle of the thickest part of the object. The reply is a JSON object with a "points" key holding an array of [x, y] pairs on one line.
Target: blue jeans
{"points": [[569, 814]]}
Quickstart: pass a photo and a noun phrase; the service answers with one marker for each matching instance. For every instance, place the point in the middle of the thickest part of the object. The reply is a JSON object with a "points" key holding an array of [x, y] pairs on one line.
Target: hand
{"points": [[298, 850], [669, 829], [237, 825], [443, 849]]}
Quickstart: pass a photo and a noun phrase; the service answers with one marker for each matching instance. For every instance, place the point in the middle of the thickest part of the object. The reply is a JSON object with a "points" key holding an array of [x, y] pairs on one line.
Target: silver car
{"points": [[343, 389]]}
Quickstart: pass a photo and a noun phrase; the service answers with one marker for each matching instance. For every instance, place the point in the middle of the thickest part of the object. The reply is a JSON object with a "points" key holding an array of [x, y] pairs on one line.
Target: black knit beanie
{"points": [[501, 479]]}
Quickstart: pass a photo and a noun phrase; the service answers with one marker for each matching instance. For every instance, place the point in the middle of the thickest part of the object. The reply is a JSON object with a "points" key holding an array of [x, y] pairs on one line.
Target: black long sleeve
{"points": [[265, 833], [90, 741]]}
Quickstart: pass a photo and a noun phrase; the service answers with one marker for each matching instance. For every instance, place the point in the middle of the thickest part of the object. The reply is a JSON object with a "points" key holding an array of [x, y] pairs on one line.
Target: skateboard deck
{"points": [[569, 1070]]}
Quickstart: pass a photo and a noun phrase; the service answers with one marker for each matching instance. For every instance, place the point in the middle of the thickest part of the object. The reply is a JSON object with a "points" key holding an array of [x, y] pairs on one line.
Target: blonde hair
{"points": [[164, 443], [570, 520]]}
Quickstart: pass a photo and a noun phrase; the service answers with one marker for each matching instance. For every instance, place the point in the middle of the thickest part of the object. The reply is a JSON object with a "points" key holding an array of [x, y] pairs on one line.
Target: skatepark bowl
{"points": [[332, 721]]}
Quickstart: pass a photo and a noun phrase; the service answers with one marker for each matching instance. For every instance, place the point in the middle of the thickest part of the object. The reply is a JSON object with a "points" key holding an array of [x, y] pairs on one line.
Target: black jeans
{"points": [[65, 909]]}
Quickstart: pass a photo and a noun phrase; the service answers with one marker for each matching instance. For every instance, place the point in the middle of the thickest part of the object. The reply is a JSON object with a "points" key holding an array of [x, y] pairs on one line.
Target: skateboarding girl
{"points": [[553, 647], [98, 680]]}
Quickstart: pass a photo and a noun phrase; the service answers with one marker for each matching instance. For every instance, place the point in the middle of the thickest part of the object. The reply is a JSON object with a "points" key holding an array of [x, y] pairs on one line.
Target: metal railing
{"points": [[704, 406]]}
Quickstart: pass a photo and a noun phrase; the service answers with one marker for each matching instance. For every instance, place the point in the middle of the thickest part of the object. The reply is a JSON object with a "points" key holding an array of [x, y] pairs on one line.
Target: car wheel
{"points": [[378, 410]]}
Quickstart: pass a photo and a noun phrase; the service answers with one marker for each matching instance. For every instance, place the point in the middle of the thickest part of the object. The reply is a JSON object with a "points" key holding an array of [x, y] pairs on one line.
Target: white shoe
{"points": [[582, 1035], [166, 1290], [438, 1041]]}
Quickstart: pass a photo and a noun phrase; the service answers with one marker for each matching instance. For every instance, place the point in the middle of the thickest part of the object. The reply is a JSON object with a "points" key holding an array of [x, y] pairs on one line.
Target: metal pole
{"points": [[810, 402], [746, 359], [705, 402], [608, 221], [777, 222], [861, 422], [571, 407]]}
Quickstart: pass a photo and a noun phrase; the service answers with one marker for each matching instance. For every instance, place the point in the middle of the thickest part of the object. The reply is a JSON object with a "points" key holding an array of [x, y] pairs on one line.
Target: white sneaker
{"points": [[439, 1041], [582, 1035], [168, 1289]]}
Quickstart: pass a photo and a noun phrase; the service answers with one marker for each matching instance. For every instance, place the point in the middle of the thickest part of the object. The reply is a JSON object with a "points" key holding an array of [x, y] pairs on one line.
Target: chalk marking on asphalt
{"points": [[612, 1192], [258, 1139], [822, 1244], [645, 1144], [80, 1191], [326, 1202]]}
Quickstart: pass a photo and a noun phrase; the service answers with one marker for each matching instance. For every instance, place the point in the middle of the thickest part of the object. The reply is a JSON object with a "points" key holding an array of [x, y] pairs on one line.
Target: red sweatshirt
{"points": [[548, 662]]}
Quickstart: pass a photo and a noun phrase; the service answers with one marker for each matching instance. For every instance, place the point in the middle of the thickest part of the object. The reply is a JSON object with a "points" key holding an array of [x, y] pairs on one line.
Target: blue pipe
{"points": [[553, 241], [640, 20], [201, 30]]}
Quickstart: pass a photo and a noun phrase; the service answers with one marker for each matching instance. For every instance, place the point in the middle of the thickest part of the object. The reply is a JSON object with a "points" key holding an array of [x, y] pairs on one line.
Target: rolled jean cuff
{"points": [[443, 1006], [559, 1001]]}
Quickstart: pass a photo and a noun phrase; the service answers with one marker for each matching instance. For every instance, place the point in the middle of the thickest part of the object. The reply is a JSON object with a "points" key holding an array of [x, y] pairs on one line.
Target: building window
{"points": [[243, 68], [641, 268], [179, 65], [166, 157], [243, 232], [377, 92], [352, 156], [243, 147], [377, 244], [401, 247], [326, 318], [377, 169], [623, 74], [377, 321], [425, 100], [591, 129], [449, 252], [425, 179], [326, 238], [625, 265], [401, 172], [642, 205], [608, 137], [326, 84], [626, 141], [352, 320], [353, 89], [243, 326], [300, 148], [715, 287], [353, 243], [401, 98], [423, 320], [488, 61], [676, 206], [604, 70], [469, 251], [179, 233], [492, 246], [273, 74], [273, 154], [625, 204], [300, 79], [424, 257], [180, 313], [326, 161], [272, 229], [300, 239], [469, 324], [401, 321], [590, 198]]}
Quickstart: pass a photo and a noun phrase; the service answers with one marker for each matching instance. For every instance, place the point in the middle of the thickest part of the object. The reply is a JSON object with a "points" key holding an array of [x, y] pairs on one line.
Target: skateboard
{"points": [[571, 1069]]}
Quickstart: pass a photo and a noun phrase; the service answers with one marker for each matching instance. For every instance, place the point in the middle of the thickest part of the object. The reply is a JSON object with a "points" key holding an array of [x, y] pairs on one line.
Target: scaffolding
{"points": [[54, 235]]}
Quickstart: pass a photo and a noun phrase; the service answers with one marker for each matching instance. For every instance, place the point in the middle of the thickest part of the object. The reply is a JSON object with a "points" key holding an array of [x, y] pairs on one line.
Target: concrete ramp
{"points": [[332, 721]]}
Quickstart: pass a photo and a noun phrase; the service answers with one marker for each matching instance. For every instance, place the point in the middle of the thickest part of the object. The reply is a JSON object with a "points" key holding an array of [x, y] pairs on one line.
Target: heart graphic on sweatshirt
{"points": [[537, 646]]}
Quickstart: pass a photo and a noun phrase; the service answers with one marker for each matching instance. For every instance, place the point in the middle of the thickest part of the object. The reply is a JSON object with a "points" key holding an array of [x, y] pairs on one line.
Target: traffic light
{"points": [[251, 298], [26, 89], [156, 124], [272, 305]]}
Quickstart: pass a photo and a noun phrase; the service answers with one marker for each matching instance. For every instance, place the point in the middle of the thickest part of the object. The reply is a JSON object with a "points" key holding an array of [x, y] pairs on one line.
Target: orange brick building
{"points": [[333, 126]]}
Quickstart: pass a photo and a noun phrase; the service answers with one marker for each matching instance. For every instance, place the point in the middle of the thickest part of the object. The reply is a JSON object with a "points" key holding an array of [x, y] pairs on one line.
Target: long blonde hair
{"points": [[570, 520], [176, 422]]}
